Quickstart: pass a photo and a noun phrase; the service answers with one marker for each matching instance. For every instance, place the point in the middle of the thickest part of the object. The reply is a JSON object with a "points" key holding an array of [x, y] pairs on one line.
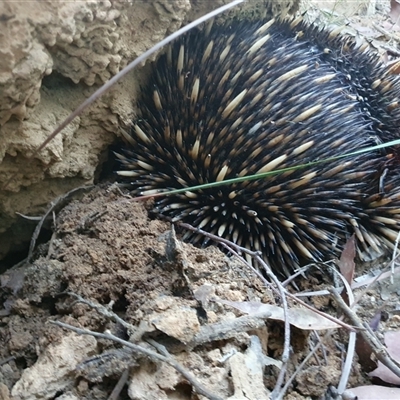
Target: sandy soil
{"points": [[108, 250]]}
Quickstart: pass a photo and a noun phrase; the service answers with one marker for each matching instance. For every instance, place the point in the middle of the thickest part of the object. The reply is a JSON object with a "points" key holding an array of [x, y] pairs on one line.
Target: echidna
{"points": [[247, 97]]}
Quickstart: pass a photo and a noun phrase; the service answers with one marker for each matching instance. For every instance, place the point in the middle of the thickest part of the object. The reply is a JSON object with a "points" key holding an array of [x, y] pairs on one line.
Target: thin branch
{"points": [[200, 389], [53, 204], [120, 385], [377, 347], [277, 393], [282, 292], [230, 246], [298, 369], [206, 334], [346, 370], [103, 311], [228, 329]]}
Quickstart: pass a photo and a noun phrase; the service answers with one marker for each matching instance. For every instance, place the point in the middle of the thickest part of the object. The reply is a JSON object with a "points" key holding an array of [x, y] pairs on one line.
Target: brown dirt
{"points": [[107, 249]]}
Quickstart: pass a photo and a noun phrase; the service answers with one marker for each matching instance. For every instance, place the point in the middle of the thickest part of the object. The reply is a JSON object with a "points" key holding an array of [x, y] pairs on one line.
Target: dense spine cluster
{"points": [[244, 98]]}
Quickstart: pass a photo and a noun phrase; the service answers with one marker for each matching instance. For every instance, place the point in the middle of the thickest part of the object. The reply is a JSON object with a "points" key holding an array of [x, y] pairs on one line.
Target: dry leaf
{"points": [[371, 392], [392, 341], [302, 318]]}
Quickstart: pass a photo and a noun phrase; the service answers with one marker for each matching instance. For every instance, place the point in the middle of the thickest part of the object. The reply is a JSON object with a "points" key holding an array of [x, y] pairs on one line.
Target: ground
{"points": [[108, 250]]}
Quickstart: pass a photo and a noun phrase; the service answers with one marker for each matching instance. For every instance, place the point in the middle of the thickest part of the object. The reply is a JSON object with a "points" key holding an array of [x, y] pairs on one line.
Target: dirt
{"points": [[108, 250]]}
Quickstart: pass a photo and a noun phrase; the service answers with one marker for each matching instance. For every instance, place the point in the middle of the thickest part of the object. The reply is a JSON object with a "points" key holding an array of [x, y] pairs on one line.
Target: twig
{"points": [[377, 347], [228, 329], [278, 393], [207, 333], [7, 360], [103, 311], [362, 281], [286, 343], [395, 254], [200, 389], [344, 377], [120, 385], [299, 368], [318, 338], [53, 204], [230, 246]]}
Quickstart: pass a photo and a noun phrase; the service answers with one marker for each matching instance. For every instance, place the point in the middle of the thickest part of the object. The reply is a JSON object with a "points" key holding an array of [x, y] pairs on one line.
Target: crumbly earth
{"points": [[107, 249]]}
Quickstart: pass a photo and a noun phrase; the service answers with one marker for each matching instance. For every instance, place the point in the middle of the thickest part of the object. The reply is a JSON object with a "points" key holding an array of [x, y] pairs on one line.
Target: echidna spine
{"points": [[245, 97]]}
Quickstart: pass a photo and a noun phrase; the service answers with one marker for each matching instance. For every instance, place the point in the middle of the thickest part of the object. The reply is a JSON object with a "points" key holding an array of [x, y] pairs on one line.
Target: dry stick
{"points": [[344, 378], [277, 393], [299, 368], [228, 329], [206, 334], [377, 347], [120, 385], [395, 254], [200, 389], [286, 342], [324, 355], [327, 316], [53, 204], [384, 274], [303, 269], [107, 86], [230, 246], [7, 360], [103, 311]]}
